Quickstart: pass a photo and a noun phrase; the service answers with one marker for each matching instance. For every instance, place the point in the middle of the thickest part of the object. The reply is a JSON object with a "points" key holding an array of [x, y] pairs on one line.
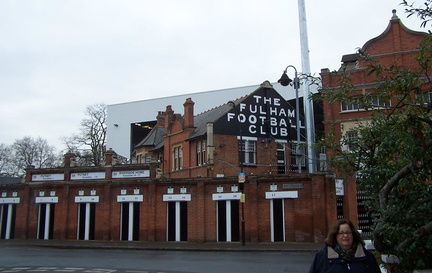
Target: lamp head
{"points": [[284, 80]]}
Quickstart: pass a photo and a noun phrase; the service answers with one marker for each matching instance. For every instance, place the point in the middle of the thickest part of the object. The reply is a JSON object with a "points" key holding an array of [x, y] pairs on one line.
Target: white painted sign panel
{"points": [[281, 194], [130, 198], [86, 199], [226, 196], [340, 190], [176, 197], [52, 199], [131, 174], [48, 177], [87, 176], [14, 200]]}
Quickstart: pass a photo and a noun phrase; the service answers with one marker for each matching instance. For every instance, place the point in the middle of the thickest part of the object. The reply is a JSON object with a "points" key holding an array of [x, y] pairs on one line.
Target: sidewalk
{"points": [[182, 246]]}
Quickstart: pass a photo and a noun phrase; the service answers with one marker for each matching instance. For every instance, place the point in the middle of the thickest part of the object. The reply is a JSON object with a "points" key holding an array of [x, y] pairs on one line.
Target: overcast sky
{"points": [[58, 57]]}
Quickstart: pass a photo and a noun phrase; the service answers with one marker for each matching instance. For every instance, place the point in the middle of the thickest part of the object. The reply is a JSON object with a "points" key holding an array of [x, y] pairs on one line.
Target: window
{"points": [[377, 102], [201, 152], [427, 96], [247, 151], [352, 140], [350, 106], [280, 154], [372, 102], [177, 158], [138, 158], [147, 158]]}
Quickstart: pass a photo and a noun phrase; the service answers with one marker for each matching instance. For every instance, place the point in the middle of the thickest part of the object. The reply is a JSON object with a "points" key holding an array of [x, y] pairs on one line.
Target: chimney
{"points": [[188, 113], [169, 116], [110, 157], [160, 118], [69, 158]]}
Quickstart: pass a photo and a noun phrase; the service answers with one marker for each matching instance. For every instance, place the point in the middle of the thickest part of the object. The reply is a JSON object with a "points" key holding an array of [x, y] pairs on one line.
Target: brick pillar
{"points": [[22, 209], [72, 212], [104, 211], [200, 216], [151, 213]]}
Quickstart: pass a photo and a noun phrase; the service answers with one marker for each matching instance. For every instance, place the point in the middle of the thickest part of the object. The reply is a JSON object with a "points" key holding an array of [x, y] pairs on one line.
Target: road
{"points": [[16, 259]]}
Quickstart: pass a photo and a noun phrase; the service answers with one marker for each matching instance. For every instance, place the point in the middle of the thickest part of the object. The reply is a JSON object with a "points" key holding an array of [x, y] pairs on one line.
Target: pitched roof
{"points": [[201, 120], [153, 138], [212, 115]]}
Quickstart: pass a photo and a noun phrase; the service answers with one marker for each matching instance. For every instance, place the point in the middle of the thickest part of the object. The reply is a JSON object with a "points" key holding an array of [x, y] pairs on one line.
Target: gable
{"points": [[396, 38], [264, 113]]}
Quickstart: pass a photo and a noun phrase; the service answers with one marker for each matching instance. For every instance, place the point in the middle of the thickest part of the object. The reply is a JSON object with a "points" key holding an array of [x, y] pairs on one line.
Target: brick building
{"points": [[397, 45], [257, 131], [186, 186]]}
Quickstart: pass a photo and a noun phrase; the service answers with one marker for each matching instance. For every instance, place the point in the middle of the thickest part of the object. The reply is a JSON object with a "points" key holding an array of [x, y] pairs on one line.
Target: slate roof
{"points": [[201, 120], [154, 138], [158, 145], [349, 62]]}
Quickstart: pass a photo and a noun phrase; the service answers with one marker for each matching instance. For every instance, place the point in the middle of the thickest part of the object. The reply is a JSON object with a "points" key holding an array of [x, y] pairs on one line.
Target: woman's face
{"points": [[345, 237]]}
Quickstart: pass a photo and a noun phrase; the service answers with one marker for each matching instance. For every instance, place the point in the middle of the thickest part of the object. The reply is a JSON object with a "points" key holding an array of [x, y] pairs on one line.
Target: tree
{"points": [[32, 152], [6, 166], [89, 145], [392, 158]]}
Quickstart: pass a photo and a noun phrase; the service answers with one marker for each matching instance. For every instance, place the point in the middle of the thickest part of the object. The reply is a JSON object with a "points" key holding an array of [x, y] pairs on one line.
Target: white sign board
{"points": [[87, 176], [176, 197], [130, 198], [48, 177], [340, 191], [14, 200], [86, 199], [281, 194], [131, 174], [226, 196], [44, 200]]}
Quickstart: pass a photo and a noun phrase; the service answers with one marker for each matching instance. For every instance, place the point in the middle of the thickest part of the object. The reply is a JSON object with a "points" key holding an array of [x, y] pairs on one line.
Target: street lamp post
{"points": [[241, 178], [285, 81]]}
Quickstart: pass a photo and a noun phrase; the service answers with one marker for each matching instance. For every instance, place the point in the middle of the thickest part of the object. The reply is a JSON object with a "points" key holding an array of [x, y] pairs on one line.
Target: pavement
{"points": [[176, 246]]}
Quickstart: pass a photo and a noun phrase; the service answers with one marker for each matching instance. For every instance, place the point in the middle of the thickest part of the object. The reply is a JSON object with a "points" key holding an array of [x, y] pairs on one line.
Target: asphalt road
{"points": [[15, 259]]}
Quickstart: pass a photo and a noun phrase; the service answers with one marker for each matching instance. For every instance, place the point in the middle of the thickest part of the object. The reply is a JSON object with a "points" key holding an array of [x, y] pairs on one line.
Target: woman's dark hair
{"points": [[334, 229]]}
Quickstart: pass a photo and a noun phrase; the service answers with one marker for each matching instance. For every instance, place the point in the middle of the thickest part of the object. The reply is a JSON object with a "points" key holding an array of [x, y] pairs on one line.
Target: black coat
{"points": [[329, 261]]}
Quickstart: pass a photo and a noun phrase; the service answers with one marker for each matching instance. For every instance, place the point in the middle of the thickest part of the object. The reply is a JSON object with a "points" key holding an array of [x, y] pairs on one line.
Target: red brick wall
{"points": [[306, 217]]}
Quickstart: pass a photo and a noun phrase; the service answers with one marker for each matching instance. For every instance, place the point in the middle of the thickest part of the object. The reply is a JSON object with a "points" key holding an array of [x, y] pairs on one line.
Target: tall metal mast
{"points": [[307, 103]]}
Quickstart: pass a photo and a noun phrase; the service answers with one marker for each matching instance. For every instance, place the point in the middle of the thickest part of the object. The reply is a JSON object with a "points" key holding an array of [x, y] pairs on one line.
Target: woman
{"points": [[344, 252]]}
